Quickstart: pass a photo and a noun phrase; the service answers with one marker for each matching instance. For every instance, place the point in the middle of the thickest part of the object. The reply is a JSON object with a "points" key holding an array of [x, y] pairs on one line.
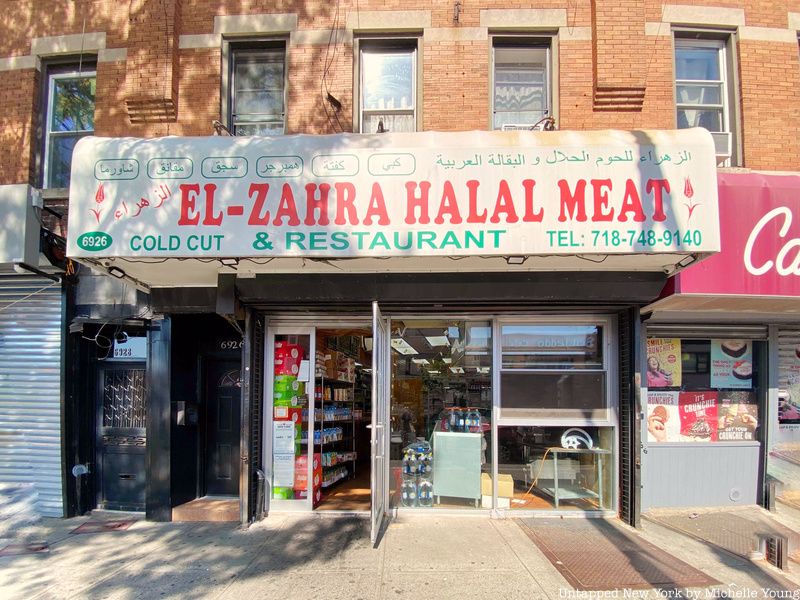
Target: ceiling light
{"points": [[229, 262], [437, 340], [116, 272], [434, 372], [420, 361], [403, 347], [457, 370], [447, 360], [516, 260]]}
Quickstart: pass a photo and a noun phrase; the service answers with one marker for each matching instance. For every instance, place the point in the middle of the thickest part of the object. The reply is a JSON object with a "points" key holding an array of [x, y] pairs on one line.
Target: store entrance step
{"points": [[599, 554], [208, 508], [743, 531]]}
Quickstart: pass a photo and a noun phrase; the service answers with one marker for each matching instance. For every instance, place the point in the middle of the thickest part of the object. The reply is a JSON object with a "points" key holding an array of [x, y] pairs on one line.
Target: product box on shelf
{"points": [[289, 384], [288, 413], [332, 364], [303, 494], [301, 472], [283, 493]]}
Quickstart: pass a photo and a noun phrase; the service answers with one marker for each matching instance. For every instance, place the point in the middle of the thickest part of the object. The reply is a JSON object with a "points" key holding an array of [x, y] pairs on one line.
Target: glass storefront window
{"points": [[441, 413], [564, 468], [290, 422], [703, 390], [553, 371]]}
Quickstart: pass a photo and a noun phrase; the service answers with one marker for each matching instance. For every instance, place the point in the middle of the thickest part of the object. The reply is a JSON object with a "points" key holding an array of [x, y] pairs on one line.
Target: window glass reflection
{"points": [[441, 414]]}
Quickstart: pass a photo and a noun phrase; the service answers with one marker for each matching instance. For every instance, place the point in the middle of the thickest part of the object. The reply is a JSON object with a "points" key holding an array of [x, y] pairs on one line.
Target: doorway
{"points": [[121, 437], [222, 417], [318, 444]]}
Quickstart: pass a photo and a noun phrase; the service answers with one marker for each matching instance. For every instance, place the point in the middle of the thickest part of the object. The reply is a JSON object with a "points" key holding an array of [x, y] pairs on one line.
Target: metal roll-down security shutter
{"points": [[30, 391]]}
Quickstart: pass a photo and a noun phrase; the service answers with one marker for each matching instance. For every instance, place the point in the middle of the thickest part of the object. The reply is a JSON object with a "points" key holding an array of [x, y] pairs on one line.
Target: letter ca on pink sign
{"points": [[787, 260]]}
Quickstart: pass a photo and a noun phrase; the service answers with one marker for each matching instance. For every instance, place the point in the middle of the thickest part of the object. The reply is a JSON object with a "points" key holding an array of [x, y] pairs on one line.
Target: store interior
{"points": [[440, 422]]}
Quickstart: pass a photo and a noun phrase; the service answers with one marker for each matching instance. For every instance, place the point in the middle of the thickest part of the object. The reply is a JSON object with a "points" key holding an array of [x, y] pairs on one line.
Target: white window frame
{"points": [[234, 54], [399, 46], [523, 43], [724, 83], [51, 80]]}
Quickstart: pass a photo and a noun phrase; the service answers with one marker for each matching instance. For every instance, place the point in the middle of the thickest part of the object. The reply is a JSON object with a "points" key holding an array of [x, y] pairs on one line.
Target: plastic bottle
{"points": [[425, 492], [453, 420], [474, 420], [408, 492]]}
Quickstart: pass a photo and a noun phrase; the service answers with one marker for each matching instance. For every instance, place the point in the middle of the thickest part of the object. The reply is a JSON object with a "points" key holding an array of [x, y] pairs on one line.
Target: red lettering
{"points": [[601, 188], [448, 206], [473, 216], [189, 193], [413, 202], [313, 204], [572, 203], [531, 216], [504, 204], [345, 195], [658, 187], [259, 190], [377, 207], [211, 218], [631, 203], [286, 208]]}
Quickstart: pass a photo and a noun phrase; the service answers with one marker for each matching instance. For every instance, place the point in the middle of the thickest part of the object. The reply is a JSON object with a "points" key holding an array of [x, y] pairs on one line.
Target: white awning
{"points": [[179, 211]]}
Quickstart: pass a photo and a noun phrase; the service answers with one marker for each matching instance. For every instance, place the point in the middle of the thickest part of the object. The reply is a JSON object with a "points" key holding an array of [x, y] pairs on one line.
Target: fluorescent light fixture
{"points": [[420, 361], [116, 272], [403, 347], [482, 370], [516, 260], [457, 370], [229, 262], [437, 340], [447, 360], [434, 372]]}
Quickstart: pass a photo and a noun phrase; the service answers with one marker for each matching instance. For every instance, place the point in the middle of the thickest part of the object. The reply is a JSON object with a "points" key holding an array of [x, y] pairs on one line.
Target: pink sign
{"points": [[760, 235]]}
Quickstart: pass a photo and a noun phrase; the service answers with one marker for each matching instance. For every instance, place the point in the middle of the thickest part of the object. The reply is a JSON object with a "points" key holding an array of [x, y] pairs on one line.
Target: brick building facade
{"points": [[155, 68]]}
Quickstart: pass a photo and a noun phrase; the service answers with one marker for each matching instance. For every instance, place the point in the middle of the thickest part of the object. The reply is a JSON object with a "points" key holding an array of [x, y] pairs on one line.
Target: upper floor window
{"points": [[69, 117], [257, 92], [520, 83], [388, 86], [702, 90]]}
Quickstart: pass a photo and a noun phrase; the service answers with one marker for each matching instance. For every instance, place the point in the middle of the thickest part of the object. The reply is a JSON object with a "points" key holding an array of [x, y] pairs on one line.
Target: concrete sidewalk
{"points": [[321, 557]]}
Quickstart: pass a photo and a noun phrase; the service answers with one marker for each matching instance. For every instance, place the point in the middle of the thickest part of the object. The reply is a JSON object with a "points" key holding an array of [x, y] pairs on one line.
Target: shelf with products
{"points": [[334, 395]]}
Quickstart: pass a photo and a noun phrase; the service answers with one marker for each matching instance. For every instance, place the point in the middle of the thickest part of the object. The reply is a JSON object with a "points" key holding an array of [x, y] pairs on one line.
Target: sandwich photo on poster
{"points": [[731, 364], [737, 414], [663, 419], [698, 414], [663, 362]]}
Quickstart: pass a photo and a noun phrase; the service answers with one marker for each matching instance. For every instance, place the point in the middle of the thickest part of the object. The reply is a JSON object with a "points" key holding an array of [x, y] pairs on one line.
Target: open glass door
{"points": [[381, 387]]}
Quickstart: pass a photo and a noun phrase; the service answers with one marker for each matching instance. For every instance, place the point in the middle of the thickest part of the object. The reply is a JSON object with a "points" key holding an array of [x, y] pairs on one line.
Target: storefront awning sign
{"points": [[394, 195]]}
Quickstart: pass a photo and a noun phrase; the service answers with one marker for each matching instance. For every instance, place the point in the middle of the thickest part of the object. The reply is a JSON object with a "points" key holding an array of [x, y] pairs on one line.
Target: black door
{"points": [[223, 427], [121, 438]]}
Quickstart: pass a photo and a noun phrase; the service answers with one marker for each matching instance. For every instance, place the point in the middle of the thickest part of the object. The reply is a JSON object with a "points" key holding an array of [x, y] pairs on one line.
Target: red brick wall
{"points": [[455, 77]]}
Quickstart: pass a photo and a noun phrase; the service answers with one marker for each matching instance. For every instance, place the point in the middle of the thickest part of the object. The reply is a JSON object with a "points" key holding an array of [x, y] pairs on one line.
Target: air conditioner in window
{"points": [[722, 145], [511, 127]]}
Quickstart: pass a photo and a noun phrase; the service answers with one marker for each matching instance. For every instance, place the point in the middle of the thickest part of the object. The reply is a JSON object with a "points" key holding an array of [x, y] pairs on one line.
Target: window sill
{"points": [[55, 193]]}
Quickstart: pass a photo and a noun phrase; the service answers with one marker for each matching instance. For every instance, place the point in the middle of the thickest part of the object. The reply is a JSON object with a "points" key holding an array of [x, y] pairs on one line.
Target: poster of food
{"points": [[789, 400], [698, 415], [663, 362], [731, 364], [737, 416], [663, 418]]}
